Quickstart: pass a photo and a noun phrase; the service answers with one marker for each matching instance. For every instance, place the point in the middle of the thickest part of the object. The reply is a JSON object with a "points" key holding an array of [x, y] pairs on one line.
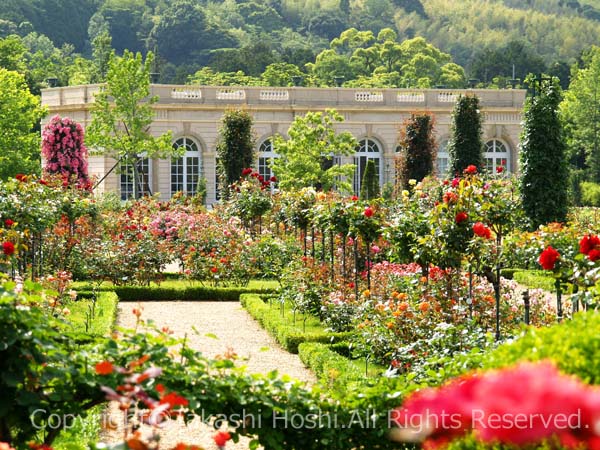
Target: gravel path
{"points": [[235, 330]]}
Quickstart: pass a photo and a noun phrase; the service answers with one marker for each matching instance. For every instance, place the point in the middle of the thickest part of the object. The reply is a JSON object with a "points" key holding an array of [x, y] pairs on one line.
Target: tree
{"points": [[465, 146], [251, 59], [369, 187], [208, 77], [516, 55], [20, 112], [235, 149], [102, 51], [12, 54], [581, 109], [128, 25], [306, 158], [544, 172], [280, 74], [418, 149], [122, 115], [187, 18]]}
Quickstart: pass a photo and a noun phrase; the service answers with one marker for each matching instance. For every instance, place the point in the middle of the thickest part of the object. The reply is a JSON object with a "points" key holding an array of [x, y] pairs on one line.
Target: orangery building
{"points": [[374, 116]]}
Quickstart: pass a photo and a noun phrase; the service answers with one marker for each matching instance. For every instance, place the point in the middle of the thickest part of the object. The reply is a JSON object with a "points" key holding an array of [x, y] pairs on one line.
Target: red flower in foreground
{"points": [[499, 169], [173, 400], [481, 230], [354, 198], [594, 255], [8, 248], [9, 223], [273, 179], [548, 258], [471, 169], [21, 177], [368, 212], [104, 368], [214, 269], [588, 243], [533, 401], [246, 171], [461, 217], [221, 438]]}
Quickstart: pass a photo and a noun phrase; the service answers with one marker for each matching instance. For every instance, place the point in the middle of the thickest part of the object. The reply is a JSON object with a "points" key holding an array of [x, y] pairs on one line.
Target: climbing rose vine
{"points": [[64, 151]]}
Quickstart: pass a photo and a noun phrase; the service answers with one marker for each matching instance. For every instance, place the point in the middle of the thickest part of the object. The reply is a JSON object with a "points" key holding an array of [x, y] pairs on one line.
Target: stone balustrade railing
{"points": [[302, 97]]}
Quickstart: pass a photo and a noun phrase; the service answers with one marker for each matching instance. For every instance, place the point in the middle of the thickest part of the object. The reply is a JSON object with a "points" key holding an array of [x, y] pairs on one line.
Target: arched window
{"points": [[443, 160], [497, 154], [265, 154], [126, 178], [366, 150], [185, 171]]}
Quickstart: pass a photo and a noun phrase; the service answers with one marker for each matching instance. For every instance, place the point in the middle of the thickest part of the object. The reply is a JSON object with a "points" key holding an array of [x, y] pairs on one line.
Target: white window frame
{"points": [[183, 167], [126, 178], [442, 162], [496, 154], [266, 153], [367, 149]]}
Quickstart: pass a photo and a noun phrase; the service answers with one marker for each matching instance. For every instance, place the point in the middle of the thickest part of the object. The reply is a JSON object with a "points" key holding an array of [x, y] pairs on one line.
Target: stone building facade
{"points": [[373, 116]]}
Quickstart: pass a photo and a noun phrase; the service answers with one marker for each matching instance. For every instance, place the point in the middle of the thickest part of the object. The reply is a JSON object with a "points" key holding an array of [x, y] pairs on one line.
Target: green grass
{"points": [[83, 434], [96, 320], [85, 430]]}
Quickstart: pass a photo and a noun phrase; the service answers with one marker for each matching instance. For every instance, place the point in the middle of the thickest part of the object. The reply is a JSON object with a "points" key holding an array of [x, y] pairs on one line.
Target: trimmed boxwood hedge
{"points": [[288, 335], [143, 293]]}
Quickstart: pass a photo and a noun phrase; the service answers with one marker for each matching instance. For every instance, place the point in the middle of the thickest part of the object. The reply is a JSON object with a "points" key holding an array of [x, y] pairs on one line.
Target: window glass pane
{"points": [[186, 171], [367, 149]]}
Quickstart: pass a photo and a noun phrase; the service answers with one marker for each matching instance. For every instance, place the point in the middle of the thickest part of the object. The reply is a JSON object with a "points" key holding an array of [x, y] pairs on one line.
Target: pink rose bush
{"points": [[64, 152]]}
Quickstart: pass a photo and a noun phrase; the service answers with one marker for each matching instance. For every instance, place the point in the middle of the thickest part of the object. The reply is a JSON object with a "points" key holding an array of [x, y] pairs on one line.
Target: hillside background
{"points": [[485, 37]]}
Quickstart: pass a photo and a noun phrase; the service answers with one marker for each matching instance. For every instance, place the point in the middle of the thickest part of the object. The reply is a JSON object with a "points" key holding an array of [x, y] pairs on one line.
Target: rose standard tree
{"points": [[64, 152]]}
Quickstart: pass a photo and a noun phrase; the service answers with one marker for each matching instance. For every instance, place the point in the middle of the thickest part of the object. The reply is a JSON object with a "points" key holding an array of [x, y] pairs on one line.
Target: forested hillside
{"points": [[486, 37]]}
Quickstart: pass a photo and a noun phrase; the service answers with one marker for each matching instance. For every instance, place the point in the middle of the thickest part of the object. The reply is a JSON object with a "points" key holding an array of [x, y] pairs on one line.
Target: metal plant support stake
{"points": [[527, 306], [559, 308]]}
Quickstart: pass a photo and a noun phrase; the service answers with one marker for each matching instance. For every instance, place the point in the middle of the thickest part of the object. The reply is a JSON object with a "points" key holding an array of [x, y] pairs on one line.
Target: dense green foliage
{"points": [[581, 110], [235, 150], [486, 38], [544, 180], [418, 149], [306, 158], [465, 146], [590, 193], [19, 113]]}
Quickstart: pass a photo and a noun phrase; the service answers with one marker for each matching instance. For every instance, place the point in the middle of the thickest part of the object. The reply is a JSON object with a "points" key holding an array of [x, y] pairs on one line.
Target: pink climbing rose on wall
{"points": [[64, 152]]}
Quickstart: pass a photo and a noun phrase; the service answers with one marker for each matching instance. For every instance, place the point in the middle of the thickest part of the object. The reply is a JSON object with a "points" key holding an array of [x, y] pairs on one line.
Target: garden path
{"points": [[236, 331]]}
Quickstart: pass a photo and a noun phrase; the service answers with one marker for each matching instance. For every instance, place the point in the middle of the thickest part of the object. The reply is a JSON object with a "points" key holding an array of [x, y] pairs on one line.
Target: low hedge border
{"points": [[537, 279], [288, 335], [197, 293], [334, 370]]}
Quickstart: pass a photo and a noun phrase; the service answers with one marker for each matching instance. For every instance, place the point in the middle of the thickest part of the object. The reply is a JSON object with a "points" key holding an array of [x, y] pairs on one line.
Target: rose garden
{"points": [[448, 311]]}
